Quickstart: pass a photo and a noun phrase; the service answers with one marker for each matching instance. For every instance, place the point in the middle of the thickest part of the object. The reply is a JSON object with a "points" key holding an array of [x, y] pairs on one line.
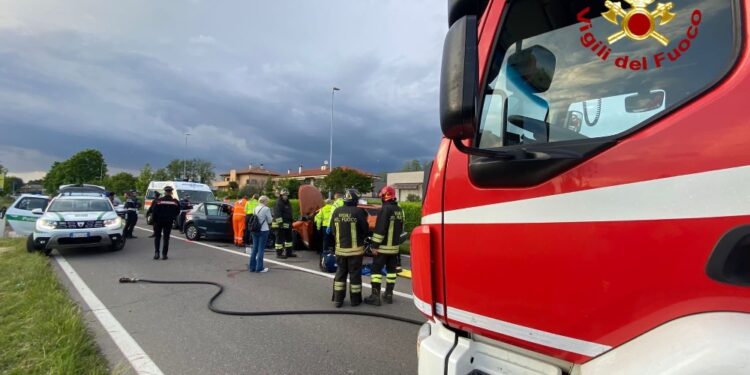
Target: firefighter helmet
{"points": [[388, 193], [351, 197]]}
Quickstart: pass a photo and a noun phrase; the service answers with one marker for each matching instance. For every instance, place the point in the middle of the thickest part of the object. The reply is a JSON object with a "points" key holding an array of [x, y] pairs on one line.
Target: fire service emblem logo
{"points": [[638, 23]]}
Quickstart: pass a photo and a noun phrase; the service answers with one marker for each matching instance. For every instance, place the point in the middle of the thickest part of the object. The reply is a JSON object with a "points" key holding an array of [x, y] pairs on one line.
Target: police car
{"points": [[20, 217], [81, 216]]}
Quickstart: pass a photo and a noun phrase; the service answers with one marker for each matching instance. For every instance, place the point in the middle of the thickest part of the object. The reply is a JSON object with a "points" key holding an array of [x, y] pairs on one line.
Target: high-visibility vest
{"points": [[239, 207], [324, 216], [336, 204], [250, 206]]}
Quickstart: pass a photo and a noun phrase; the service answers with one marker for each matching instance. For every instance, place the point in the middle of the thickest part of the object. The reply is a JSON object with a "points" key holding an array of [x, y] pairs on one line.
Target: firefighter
{"points": [[385, 246], [249, 209], [165, 211], [322, 220], [131, 215], [349, 228], [238, 221], [282, 226]]}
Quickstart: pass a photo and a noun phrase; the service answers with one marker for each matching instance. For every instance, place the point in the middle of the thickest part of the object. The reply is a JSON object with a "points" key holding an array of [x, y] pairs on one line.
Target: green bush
{"points": [[412, 214], [295, 207]]}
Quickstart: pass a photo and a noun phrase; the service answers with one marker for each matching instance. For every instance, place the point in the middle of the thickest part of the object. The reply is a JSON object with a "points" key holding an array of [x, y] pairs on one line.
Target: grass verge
{"points": [[41, 329]]}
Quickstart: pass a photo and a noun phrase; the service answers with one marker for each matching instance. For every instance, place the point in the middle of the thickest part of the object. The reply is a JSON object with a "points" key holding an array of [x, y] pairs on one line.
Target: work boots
{"points": [[280, 254], [356, 299], [374, 298], [156, 255], [164, 255], [388, 295], [338, 298]]}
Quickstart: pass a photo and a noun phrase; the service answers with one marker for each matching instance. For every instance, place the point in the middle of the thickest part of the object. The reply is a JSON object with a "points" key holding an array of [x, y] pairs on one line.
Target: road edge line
{"points": [[141, 362], [303, 269]]}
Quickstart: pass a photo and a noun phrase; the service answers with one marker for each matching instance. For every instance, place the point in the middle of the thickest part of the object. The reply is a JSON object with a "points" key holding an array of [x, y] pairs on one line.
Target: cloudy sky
{"points": [[250, 80]]}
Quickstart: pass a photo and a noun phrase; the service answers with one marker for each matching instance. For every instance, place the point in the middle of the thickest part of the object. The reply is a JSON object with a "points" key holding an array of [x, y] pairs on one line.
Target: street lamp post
{"points": [[184, 162], [330, 152]]}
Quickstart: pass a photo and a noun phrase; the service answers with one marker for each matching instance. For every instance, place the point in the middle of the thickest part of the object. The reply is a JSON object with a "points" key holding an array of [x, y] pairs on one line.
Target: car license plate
{"points": [[79, 235]]}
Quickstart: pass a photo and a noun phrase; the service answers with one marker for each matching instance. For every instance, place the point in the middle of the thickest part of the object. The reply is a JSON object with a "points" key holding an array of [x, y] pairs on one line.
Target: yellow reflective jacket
{"points": [[336, 204], [324, 216], [250, 206]]}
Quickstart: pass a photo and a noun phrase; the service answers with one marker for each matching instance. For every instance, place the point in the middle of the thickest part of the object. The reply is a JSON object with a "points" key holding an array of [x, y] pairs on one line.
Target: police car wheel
{"points": [[118, 245], [30, 244], [149, 219]]}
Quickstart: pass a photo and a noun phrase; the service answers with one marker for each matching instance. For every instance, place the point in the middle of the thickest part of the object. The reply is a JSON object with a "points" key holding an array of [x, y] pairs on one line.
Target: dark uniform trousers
{"points": [[283, 233], [390, 262], [162, 229], [351, 266], [131, 218]]}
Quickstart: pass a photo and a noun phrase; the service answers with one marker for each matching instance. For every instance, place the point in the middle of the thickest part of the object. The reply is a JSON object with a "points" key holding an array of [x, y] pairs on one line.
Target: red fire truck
{"points": [[588, 210]]}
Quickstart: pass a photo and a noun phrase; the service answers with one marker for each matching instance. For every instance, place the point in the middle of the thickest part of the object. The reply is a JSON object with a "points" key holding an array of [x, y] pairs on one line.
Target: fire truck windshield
{"points": [[578, 72]]}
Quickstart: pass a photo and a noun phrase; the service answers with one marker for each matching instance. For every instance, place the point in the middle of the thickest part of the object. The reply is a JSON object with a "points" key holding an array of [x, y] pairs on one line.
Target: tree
{"points": [[162, 174], [196, 170], [269, 188], [340, 179], [12, 184], [54, 178], [122, 182], [85, 167], [249, 190], [291, 185], [412, 166], [144, 178]]}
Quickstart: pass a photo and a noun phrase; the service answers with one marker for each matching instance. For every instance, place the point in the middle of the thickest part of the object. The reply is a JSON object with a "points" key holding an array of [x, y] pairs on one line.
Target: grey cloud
{"points": [[64, 91]]}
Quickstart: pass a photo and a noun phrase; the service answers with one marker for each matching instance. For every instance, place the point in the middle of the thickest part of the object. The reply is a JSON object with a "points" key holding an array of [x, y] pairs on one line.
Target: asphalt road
{"points": [[173, 326]]}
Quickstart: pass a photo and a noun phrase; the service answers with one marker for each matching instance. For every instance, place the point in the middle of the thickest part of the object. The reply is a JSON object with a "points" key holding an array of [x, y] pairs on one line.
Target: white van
{"points": [[197, 192]]}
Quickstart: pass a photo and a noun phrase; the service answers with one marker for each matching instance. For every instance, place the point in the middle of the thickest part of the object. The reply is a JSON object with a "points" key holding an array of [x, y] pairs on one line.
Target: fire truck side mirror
{"points": [[458, 80]]}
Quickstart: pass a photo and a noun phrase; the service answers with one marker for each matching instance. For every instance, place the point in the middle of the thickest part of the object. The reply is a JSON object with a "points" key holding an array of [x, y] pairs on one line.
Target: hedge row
{"points": [[412, 212], [295, 206]]}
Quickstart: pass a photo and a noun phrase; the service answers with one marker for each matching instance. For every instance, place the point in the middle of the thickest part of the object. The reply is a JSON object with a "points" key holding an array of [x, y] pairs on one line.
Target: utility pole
{"points": [[330, 152], [184, 163]]}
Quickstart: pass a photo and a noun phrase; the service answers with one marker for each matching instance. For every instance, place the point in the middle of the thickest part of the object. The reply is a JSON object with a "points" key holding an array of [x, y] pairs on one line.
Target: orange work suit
{"points": [[238, 221]]}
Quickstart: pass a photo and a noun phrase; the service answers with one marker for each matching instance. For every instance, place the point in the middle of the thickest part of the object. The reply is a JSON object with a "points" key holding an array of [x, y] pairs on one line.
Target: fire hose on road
{"points": [[124, 280]]}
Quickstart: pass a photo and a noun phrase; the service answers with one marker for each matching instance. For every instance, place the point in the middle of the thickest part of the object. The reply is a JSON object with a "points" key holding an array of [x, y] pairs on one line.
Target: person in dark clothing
{"points": [[131, 216], [349, 228], [150, 210], [282, 225], [165, 210], [385, 246]]}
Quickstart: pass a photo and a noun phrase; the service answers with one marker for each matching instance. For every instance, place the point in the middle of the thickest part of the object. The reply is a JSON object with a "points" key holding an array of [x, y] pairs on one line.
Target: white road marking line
{"points": [[138, 358], [328, 275]]}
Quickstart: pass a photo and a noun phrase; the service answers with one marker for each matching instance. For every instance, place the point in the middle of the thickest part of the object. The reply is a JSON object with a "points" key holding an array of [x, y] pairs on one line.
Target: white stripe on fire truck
{"points": [[568, 344], [718, 193], [422, 306]]}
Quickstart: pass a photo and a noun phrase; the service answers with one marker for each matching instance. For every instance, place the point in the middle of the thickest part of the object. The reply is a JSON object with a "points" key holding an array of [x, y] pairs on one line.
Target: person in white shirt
{"points": [[264, 218]]}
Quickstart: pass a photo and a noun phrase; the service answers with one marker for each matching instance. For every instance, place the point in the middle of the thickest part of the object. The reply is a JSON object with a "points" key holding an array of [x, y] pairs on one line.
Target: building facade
{"points": [[255, 176], [406, 183]]}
